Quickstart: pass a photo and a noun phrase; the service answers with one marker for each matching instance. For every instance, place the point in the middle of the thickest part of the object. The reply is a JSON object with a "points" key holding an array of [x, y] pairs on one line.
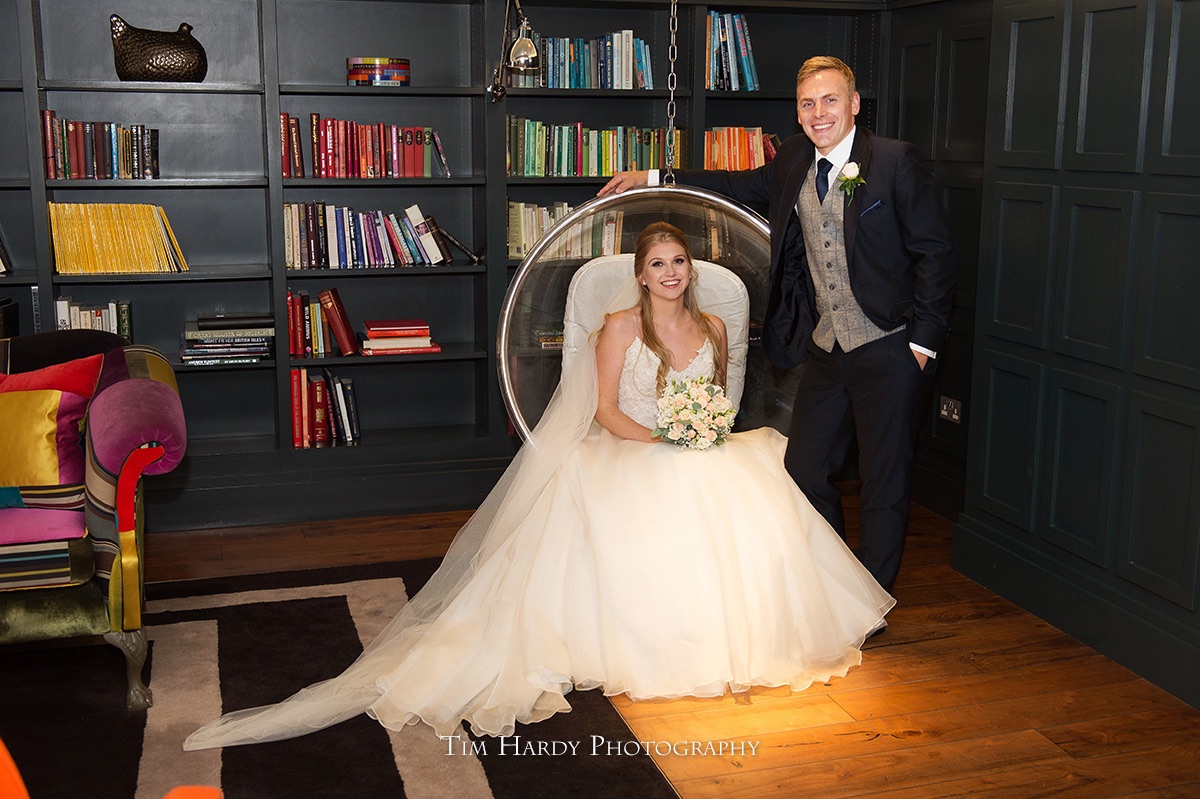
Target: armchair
{"points": [[71, 548]]}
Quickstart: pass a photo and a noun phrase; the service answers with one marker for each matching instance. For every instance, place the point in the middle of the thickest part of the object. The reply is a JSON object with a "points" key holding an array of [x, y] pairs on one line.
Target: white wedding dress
{"points": [[645, 569]]}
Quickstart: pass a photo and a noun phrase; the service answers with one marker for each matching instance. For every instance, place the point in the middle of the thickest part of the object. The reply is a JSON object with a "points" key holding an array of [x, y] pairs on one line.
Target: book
{"points": [[457, 244], [441, 154], [6, 263], [294, 149], [318, 412], [424, 236], [339, 323], [297, 408], [223, 360], [395, 343], [343, 408], [233, 321], [125, 319], [439, 239], [432, 348], [352, 407], [263, 333], [395, 328]]}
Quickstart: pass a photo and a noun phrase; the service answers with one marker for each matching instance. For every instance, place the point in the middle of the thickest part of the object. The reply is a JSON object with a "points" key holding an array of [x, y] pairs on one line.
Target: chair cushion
{"points": [[41, 458], [43, 547]]}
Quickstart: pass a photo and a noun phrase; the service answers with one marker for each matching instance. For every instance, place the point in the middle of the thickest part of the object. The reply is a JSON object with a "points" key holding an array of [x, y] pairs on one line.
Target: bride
{"points": [[605, 558]]}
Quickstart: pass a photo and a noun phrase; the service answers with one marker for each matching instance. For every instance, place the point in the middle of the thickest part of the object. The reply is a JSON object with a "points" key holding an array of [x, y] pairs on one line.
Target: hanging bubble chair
{"points": [[565, 282]]}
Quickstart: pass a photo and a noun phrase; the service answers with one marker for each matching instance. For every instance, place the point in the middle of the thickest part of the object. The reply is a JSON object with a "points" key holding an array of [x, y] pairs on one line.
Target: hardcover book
{"points": [[339, 323], [395, 328]]}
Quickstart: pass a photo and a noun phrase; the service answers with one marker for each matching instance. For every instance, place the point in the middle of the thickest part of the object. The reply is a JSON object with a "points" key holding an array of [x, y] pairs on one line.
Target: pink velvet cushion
{"points": [[37, 526], [40, 417]]}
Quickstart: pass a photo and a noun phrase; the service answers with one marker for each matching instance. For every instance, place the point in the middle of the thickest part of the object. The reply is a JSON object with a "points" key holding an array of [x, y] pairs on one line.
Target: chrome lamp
{"points": [[521, 56]]}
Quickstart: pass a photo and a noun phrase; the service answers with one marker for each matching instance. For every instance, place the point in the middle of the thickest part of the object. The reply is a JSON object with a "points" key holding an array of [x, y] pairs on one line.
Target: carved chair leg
{"points": [[133, 645]]}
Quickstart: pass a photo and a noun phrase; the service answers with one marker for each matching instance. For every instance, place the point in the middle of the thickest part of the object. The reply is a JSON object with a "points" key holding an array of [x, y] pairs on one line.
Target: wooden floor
{"points": [[964, 695]]}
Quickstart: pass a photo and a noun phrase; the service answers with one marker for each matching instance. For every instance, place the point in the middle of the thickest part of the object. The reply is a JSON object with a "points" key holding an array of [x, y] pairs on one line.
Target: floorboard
{"points": [[964, 695]]}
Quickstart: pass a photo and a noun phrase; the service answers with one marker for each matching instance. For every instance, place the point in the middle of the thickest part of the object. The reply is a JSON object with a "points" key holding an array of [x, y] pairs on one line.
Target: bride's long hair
{"points": [[659, 233]]}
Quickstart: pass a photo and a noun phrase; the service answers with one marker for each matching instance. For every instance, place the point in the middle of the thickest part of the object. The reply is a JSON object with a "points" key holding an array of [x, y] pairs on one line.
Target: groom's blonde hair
{"points": [[820, 63]]}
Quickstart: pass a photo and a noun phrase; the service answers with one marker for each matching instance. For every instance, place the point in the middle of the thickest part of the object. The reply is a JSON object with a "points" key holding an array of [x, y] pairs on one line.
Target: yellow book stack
{"points": [[113, 238]]}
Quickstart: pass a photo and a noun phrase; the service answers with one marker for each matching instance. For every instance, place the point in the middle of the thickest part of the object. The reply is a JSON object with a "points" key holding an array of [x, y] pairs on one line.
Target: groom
{"points": [[862, 280]]}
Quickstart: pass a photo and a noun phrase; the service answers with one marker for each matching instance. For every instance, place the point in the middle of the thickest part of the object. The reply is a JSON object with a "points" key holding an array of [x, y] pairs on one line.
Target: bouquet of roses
{"points": [[694, 413]]}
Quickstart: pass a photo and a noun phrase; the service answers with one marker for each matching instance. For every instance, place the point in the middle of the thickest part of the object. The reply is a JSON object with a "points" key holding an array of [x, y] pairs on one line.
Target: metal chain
{"points": [[672, 54]]}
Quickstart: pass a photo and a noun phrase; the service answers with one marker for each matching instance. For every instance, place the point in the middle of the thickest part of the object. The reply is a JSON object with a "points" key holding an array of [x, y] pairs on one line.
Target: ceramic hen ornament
{"points": [[170, 56]]}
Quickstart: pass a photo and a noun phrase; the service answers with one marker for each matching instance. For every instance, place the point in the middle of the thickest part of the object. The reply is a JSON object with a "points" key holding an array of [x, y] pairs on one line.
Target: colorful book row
{"points": [[543, 149], [76, 150], [324, 409], [617, 60], [319, 235], [114, 316], [738, 148], [343, 148], [598, 234], [730, 64]]}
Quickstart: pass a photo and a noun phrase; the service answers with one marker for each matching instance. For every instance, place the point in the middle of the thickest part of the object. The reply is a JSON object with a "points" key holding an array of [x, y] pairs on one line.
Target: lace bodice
{"points": [[637, 393]]}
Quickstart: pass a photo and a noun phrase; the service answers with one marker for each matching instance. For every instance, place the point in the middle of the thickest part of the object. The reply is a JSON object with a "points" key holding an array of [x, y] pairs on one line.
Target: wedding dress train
{"points": [[597, 562]]}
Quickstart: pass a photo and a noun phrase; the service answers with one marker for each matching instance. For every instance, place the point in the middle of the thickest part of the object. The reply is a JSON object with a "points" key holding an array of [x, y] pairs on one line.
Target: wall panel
{"points": [[1080, 497], [1011, 397], [1027, 102], [1094, 274], [1167, 331], [1108, 45], [964, 100], [1160, 540], [1016, 278], [1174, 120], [917, 106]]}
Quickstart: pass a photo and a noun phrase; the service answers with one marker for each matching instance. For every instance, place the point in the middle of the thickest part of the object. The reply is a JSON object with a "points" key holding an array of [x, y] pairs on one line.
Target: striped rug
{"points": [[240, 642]]}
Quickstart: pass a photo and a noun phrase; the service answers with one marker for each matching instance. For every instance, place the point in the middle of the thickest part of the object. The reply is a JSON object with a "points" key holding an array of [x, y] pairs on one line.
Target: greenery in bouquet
{"points": [[694, 413]]}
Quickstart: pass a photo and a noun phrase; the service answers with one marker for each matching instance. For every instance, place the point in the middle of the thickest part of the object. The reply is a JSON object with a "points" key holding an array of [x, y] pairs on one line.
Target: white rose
{"points": [[850, 170]]}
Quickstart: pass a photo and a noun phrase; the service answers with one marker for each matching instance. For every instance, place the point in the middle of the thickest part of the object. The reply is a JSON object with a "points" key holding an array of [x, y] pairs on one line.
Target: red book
{"points": [[339, 323], [297, 151], [395, 328], [305, 412], [343, 149], [395, 138], [411, 169], [285, 144], [75, 141], [319, 403], [318, 152], [48, 143], [435, 347], [291, 322], [297, 411]]}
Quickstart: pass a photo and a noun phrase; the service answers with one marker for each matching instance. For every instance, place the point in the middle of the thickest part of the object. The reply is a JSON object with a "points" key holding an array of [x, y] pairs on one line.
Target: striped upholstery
{"points": [[56, 536]]}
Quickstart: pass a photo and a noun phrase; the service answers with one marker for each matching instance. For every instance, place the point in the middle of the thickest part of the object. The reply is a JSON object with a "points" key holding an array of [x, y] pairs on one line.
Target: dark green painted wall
{"points": [[1083, 472]]}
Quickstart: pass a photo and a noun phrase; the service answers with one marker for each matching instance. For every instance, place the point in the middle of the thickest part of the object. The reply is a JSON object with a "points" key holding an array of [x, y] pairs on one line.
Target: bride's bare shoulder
{"points": [[622, 326]]}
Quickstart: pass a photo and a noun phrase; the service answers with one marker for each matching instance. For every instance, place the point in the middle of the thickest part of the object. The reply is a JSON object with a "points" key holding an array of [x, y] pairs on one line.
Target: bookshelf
{"points": [[433, 424]]}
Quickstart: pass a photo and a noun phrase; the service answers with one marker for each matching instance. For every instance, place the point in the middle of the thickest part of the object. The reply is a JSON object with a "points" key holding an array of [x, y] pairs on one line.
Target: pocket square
{"points": [[871, 208]]}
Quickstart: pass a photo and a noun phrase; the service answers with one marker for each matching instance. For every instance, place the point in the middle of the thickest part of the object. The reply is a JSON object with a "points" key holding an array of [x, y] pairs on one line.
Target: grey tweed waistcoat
{"points": [[840, 319]]}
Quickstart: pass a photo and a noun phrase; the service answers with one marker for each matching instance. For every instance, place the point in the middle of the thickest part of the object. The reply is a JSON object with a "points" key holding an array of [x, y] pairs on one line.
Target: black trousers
{"points": [[874, 392]]}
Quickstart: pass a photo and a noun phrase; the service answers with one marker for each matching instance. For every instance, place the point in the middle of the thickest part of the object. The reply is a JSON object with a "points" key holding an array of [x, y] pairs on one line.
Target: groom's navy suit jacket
{"points": [[901, 260]]}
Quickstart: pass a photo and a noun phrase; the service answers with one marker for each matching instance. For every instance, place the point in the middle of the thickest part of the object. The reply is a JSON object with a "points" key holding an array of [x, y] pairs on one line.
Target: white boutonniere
{"points": [[849, 179]]}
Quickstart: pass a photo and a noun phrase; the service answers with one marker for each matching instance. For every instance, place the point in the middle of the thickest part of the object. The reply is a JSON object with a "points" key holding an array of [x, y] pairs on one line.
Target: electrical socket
{"points": [[950, 410]]}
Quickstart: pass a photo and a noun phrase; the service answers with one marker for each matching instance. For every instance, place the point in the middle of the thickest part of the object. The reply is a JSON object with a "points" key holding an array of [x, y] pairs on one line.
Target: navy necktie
{"points": [[823, 167]]}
